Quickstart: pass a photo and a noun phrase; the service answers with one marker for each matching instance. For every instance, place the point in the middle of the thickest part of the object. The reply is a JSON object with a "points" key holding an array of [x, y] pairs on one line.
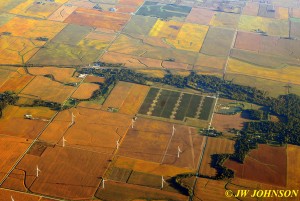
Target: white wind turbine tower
{"points": [[12, 199], [37, 171], [179, 151], [64, 141], [174, 129], [118, 143], [162, 182], [73, 119], [103, 181]]}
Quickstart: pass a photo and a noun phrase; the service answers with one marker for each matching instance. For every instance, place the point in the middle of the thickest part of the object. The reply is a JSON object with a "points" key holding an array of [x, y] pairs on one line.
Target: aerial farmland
{"points": [[149, 100]]}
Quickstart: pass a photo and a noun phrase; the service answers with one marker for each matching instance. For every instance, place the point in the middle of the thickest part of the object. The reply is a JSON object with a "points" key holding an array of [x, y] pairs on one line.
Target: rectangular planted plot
{"points": [[161, 103], [207, 108], [194, 104], [169, 107], [164, 11], [148, 101], [183, 107]]}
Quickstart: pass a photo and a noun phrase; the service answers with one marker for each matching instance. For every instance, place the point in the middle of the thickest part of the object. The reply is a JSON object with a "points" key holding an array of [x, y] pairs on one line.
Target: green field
{"points": [[207, 107], [148, 100]]}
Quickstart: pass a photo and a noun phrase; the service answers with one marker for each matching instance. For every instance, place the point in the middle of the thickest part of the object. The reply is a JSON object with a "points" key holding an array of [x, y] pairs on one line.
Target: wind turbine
{"points": [[73, 119], [37, 171], [118, 143], [12, 199], [179, 151], [64, 141], [174, 129], [103, 181], [162, 182]]}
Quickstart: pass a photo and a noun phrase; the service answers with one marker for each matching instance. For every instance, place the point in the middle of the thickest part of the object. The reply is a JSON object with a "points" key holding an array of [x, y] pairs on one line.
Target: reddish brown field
{"points": [[214, 146], [90, 104], [59, 74], [251, 8], [131, 2], [93, 130], [16, 181], [200, 16], [210, 61], [106, 20], [296, 12], [62, 175], [46, 89], [248, 41], [267, 164], [13, 123], [293, 164], [16, 83], [127, 192], [134, 99], [6, 195], [85, 91], [92, 78], [126, 9], [11, 149], [224, 122]]}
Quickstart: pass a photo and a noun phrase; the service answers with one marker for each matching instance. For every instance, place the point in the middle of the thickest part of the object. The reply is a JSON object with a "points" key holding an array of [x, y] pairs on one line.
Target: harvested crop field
{"points": [[85, 91], [8, 194], [295, 27], [166, 29], [15, 82], [200, 16], [210, 61], [127, 192], [93, 18], [61, 175], [94, 79], [251, 8], [11, 149], [222, 122], [62, 13], [227, 20], [13, 123], [60, 74], [214, 146], [293, 162], [48, 90], [267, 164], [140, 25]]}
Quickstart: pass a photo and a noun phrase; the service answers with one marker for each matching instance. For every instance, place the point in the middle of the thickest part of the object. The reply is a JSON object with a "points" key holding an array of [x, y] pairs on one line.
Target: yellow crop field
{"points": [[165, 29], [42, 10], [282, 13], [270, 26], [286, 74], [31, 28], [16, 50], [62, 13], [190, 37]]}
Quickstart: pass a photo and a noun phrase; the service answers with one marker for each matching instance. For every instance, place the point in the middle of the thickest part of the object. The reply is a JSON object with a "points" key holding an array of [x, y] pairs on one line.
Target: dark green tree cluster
{"points": [[7, 98], [253, 114]]}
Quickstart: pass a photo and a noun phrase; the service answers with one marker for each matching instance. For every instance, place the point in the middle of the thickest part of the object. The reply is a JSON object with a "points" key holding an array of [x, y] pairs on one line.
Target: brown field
{"points": [[92, 78], [31, 28], [214, 146], [106, 20], [125, 9], [59, 74], [6, 195], [153, 73], [62, 175], [46, 89], [62, 13], [251, 8], [223, 122], [210, 61], [89, 132], [248, 41], [210, 190], [134, 99], [149, 167], [131, 2], [200, 16], [293, 162], [127, 192], [101, 37], [228, 20], [131, 60], [17, 50], [4, 75], [16, 82], [15, 181], [268, 163], [174, 65], [296, 12], [85, 91], [13, 123], [90, 104], [11, 149], [118, 95]]}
